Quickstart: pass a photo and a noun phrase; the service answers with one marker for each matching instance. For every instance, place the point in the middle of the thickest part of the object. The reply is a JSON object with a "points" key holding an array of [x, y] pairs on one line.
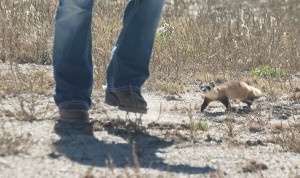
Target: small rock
{"points": [[254, 127], [253, 166]]}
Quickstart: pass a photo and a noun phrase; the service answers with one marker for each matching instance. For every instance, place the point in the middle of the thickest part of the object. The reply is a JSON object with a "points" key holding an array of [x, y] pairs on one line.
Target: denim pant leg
{"points": [[129, 65], [72, 58]]}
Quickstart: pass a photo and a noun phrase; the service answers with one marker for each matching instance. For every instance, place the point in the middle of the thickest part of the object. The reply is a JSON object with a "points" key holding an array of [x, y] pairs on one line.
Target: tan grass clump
{"points": [[11, 144], [289, 139]]}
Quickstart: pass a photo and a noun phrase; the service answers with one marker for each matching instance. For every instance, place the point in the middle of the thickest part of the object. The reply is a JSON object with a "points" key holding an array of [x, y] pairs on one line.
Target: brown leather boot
{"points": [[74, 119], [130, 101]]}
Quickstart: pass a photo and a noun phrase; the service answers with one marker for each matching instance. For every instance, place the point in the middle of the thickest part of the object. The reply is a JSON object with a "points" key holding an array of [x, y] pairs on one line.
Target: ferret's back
{"points": [[235, 90]]}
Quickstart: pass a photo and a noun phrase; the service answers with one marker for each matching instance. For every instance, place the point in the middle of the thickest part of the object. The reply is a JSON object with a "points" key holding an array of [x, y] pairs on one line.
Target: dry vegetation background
{"points": [[197, 40]]}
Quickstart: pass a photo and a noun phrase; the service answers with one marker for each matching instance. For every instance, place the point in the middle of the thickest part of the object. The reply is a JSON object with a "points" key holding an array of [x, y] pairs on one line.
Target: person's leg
{"points": [[129, 65], [72, 58], [72, 63]]}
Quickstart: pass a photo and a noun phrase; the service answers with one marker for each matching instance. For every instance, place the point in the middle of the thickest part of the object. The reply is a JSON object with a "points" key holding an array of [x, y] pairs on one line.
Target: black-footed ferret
{"points": [[228, 91]]}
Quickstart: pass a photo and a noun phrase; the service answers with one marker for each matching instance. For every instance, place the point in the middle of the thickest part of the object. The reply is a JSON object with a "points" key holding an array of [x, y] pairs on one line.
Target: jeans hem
{"points": [[120, 89], [79, 102]]}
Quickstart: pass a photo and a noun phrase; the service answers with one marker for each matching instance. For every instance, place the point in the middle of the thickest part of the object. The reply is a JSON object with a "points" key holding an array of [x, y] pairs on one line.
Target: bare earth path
{"points": [[159, 144]]}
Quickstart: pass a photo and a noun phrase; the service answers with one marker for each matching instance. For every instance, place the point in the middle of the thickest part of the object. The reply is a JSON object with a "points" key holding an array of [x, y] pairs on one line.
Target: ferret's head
{"points": [[207, 88]]}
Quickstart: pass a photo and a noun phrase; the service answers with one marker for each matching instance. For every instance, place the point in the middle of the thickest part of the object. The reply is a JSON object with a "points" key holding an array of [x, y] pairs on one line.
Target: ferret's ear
{"points": [[200, 83], [212, 83]]}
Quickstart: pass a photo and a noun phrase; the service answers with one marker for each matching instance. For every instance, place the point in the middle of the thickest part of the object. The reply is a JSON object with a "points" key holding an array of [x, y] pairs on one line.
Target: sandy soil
{"points": [[161, 143]]}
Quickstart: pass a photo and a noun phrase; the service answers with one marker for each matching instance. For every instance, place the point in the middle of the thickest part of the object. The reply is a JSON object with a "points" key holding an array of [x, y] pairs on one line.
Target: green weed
{"points": [[269, 72]]}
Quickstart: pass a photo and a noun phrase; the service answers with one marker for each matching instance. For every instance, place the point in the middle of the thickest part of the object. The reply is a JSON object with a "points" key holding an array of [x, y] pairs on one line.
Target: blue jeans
{"points": [[72, 49]]}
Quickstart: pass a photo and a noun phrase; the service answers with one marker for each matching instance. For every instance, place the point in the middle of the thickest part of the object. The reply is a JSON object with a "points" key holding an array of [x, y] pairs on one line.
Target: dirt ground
{"points": [[162, 143]]}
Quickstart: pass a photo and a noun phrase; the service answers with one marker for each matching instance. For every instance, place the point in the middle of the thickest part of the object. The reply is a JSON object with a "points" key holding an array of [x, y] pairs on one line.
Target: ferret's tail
{"points": [[256, 92]]}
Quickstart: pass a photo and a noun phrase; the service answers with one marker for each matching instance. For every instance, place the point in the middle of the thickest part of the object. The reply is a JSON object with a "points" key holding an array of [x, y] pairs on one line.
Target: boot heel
{"points": [[111, 99]]}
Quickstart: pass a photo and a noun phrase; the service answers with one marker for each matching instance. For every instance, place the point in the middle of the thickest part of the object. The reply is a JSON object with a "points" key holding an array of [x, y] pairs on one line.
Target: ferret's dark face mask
{"points": [[205, 88]]}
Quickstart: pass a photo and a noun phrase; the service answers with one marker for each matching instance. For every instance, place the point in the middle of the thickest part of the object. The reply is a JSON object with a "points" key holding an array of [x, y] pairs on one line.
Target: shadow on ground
{"points": [[139, 150]]}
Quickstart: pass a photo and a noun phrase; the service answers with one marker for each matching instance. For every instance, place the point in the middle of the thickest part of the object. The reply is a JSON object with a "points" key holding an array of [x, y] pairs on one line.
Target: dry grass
{"points": [[11, 144], [26, 33], [188, 48], [289, 139], [225, 41]]}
